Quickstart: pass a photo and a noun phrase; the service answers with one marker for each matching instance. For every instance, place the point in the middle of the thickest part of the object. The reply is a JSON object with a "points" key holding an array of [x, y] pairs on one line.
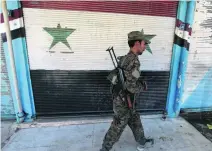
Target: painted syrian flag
{"points": [[67, 44], [75, 35]]}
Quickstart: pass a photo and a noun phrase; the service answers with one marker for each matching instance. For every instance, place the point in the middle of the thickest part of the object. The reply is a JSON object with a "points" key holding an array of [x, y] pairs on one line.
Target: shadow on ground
{"points": [[202, 122]]}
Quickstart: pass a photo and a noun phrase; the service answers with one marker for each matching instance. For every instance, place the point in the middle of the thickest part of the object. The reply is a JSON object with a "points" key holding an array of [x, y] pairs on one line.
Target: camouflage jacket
{"points": [[131, 67]]}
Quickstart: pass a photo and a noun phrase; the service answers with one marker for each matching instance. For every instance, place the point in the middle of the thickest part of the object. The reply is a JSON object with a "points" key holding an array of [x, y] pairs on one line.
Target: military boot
{"points": [[148, 142], [103, 149]]}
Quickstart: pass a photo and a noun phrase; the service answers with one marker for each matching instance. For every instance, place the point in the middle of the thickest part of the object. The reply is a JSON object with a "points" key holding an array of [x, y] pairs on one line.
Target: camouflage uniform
{"points": [[123, 116]]}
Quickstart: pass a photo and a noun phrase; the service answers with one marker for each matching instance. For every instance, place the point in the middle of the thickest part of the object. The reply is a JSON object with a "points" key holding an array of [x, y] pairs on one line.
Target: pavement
{"points": [[7, 130], [202, 122], [87, 135]]}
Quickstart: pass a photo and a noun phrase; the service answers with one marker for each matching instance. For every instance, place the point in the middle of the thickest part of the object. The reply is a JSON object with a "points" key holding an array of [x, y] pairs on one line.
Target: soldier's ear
{"points": [[138, 42]]}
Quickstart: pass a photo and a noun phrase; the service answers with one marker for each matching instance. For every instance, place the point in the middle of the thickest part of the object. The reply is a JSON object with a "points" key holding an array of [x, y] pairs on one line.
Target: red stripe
{"points": [[153, 8], [187, 26], [17, 13]]}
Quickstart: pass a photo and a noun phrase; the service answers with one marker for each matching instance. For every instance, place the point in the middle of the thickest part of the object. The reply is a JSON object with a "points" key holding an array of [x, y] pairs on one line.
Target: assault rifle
{"points": [[117, 78]]}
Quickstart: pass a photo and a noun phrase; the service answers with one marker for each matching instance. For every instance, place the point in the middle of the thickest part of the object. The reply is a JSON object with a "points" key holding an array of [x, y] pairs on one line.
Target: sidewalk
{"points": [[7, 130], [169, 135]]}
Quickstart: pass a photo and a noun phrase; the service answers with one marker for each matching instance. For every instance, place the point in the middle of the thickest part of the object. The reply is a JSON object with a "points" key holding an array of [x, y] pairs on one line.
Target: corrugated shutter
{"points": [[198, 82], [7, 109], [69, 70]]}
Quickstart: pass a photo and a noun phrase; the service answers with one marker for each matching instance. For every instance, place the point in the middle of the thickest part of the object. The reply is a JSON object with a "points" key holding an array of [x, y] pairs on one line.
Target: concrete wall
{"points": [[198, 82]]}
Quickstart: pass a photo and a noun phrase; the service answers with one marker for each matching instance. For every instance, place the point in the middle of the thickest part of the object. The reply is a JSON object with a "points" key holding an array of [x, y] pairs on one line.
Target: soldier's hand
{"points": [[144, 84]]}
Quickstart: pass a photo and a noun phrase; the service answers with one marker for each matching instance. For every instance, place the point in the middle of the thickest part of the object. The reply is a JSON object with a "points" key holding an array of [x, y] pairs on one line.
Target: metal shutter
{"points": [[69, 71]]}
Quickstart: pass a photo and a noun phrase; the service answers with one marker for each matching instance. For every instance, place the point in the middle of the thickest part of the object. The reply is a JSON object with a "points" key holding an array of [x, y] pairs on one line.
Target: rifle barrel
{"points": [[114, 55], [112, 58]]}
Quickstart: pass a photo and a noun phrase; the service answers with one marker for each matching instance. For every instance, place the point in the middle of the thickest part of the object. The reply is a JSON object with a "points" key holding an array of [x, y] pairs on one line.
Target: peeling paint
{"points": [[206, 5], [199, 58], [6, 98]]}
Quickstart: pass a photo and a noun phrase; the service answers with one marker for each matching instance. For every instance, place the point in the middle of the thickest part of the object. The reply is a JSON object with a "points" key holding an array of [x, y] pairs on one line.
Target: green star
{"points": [[148, 38], [59, 35]]}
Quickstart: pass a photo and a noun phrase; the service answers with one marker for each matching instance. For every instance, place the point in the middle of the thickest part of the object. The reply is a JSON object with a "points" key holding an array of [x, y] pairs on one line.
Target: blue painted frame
{"points": [[22, 71], [179, 62]]}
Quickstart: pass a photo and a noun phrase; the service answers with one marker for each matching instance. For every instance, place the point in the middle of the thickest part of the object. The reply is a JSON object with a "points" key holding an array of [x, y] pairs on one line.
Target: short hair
{"points": [[131, 43]]}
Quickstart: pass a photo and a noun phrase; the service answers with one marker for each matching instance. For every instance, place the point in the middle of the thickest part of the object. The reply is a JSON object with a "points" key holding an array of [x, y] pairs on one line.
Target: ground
{"points": [[203, 127], [78, 135], [201, 121], [7, 130]]}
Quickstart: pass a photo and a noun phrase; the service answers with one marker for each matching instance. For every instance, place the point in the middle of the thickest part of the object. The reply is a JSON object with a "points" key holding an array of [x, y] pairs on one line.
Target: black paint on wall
{"points": [[87, 92]]}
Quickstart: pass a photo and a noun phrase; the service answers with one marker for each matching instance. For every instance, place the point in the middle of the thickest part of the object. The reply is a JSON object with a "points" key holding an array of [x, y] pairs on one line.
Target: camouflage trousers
{"points": [[123, 116]]}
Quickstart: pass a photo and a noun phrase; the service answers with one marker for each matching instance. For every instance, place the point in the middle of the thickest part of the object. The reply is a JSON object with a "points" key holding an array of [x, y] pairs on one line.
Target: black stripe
{"points": [[181, 42], [86, 92], [17, 33]]}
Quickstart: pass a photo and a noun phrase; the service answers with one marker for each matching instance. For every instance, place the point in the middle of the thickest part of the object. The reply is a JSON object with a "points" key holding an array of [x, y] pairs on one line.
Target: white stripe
{"points": [[95, 32], [14, 24], [182, 34]]}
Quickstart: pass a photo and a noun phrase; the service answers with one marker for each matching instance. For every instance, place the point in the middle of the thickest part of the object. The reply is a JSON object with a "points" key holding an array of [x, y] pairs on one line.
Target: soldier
{"points": [[124, 116]]}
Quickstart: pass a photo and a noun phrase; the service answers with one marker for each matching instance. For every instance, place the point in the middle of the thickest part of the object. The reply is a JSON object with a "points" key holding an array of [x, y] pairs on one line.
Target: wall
{"points": [[66, 49], [198, 82], [92, 32], [7, 108], [27, 110]]}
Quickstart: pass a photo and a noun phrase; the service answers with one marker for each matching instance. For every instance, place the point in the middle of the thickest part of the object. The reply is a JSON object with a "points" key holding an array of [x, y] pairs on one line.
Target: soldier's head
{"points": [[138, 46], [138, 41]]}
